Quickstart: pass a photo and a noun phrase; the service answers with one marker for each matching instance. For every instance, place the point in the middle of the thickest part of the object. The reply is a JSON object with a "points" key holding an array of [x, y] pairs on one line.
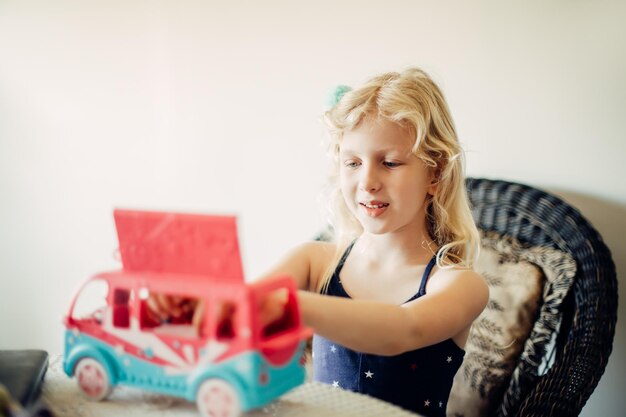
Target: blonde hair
{"points": [[413, 101]]}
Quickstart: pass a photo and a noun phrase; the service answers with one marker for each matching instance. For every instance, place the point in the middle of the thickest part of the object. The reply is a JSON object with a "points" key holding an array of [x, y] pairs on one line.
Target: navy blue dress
{"points": [[419, 380]]}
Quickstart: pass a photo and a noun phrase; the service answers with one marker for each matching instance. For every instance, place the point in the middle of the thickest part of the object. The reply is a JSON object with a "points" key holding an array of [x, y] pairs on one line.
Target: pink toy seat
{"points": [[121, 316]]}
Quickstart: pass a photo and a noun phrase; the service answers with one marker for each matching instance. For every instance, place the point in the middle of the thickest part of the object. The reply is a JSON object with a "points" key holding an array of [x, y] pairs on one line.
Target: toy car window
{"points": [[91, 302]]}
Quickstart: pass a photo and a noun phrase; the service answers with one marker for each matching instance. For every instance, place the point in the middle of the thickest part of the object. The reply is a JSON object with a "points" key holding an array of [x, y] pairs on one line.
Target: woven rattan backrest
{"points": [[585, 339]]}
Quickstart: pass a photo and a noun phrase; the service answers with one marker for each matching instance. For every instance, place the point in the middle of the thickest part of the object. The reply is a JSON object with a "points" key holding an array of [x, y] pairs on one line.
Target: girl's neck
{"points": [[397, 248]]}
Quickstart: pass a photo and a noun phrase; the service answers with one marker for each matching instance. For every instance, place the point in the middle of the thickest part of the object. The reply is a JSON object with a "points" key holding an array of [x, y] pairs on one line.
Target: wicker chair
{"points": [[585, 338]]}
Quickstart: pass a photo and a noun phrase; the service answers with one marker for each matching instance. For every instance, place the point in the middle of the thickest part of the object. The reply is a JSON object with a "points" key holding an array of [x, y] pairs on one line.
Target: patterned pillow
{"points": [[511, 336]]}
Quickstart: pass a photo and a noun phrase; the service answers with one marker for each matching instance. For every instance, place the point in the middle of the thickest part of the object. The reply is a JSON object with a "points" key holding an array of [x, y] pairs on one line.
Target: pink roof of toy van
{"points": [[193, 244]]}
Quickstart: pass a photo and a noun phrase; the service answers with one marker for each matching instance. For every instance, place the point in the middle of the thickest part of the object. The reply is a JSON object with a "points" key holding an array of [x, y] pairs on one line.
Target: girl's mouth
{"points": [[375, 208]]}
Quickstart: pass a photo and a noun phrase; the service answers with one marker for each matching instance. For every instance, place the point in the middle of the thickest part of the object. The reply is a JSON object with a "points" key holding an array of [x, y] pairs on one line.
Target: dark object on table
{"points": [[22, 373], [9, 408]]}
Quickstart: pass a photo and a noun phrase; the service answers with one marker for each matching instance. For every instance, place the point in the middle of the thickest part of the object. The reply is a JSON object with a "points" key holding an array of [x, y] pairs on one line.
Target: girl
{"points": [[393, 297]]}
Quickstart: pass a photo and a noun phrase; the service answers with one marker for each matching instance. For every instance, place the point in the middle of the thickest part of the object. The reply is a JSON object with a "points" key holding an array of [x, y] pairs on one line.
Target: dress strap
{"points": [[343, 259], [334, 286], [427, 271]]}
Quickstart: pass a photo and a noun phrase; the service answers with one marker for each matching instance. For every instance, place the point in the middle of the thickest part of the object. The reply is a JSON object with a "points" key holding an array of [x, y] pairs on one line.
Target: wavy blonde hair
{"points": [[412, 100]]}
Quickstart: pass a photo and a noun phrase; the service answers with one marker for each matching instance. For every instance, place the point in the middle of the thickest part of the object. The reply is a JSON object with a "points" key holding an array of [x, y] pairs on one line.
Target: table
{"points": [[311, 399]]}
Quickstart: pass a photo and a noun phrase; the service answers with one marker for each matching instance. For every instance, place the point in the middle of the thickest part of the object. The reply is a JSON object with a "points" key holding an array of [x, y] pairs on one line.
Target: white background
{"points": [[215, 107]]}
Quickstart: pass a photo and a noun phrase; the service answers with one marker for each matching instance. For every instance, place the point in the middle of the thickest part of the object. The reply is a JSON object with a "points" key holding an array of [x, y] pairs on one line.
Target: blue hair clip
{"points": [[337, 94]]}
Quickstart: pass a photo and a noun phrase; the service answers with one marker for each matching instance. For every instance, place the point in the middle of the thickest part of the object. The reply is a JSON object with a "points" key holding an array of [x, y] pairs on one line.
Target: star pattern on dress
{"points": [[426, 403], [449, 359], [333, 348], [440, 404], [413, 366], [369, 374], [335, 384]]}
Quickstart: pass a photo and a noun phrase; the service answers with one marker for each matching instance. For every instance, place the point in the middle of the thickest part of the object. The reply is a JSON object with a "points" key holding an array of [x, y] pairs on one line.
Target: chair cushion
{"points": [[512, 335]]}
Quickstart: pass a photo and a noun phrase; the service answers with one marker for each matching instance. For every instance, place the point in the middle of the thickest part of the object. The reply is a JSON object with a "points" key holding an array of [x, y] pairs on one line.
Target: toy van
{"points": [[227, 362]]}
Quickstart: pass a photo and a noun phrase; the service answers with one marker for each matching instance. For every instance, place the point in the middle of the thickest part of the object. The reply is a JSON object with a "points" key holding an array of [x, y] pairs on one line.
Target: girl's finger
{"points": [[169, 305], [197, 315], [153, 312]]}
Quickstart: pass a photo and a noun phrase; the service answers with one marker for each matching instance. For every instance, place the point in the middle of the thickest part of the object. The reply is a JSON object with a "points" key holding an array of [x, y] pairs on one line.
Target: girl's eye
{"points": [[351, 164], [391, 164]]}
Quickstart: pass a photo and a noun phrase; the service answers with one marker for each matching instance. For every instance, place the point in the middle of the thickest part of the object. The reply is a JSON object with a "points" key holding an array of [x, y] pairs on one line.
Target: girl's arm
{"points": [[454, 299], [304, 264]]}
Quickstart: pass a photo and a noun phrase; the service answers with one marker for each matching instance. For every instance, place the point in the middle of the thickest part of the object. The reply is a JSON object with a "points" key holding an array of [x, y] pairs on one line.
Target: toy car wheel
{"points": [[216, 397], [93, 379]]}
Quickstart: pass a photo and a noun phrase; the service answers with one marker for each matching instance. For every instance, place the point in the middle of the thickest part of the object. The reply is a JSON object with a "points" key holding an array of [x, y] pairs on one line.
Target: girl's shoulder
{"points": [[320, 255], [457, 270], [456, 273], [460, 278], [317, 248]]}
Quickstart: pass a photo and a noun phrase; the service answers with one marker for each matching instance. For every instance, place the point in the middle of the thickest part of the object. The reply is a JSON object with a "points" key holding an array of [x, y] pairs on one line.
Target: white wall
{"points": [[214, 107]]}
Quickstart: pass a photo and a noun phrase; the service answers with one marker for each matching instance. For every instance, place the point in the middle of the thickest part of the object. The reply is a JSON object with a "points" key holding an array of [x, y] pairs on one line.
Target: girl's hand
{"points": [[166, 308], [272, 306]]}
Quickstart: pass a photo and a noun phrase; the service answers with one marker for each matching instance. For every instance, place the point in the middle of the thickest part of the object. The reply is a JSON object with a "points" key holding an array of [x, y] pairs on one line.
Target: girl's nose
{"points": [[370, 181]]}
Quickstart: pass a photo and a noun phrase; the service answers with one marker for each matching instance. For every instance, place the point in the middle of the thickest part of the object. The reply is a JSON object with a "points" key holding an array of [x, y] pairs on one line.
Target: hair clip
{"points": [[337, 94]]}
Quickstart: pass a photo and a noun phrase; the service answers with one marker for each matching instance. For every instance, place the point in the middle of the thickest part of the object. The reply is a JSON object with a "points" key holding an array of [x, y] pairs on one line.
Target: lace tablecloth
{"points": [[309, 400]]}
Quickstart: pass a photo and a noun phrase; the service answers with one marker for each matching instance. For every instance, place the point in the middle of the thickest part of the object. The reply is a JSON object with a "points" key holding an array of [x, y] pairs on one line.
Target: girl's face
{"points": [[383, 183]]}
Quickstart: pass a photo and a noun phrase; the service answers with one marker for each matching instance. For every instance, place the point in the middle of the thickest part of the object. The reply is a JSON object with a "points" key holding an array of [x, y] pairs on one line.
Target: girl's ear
{"points": [[432, 188], [434, 181]]}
